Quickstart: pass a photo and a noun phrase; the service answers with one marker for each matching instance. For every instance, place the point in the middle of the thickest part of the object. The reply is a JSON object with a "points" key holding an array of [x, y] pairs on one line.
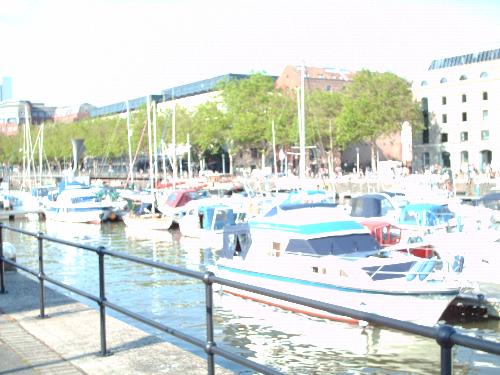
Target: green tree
{"points": [[248, 109], [375, 105], [322, 110], [251, 105]]}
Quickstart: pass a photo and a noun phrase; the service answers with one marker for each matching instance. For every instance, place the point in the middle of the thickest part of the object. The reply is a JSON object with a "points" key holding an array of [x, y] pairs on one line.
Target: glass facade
{"points": [[465, 59]]}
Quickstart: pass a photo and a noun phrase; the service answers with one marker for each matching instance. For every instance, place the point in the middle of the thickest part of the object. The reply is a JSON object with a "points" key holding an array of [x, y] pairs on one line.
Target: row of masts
{"points": [[29, 148]]}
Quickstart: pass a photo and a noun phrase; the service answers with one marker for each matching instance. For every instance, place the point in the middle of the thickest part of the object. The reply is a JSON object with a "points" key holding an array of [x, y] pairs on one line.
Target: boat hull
{"points": [[148, 221], [74, 216], [422, 307]]}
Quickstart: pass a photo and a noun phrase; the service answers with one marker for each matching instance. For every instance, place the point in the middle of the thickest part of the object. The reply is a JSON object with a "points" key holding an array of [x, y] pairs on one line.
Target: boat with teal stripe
{"points": [[317, 251]]}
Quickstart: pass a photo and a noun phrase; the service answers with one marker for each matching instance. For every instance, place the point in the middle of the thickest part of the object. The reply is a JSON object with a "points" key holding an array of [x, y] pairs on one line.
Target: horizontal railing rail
{"points": [[445, 335]]}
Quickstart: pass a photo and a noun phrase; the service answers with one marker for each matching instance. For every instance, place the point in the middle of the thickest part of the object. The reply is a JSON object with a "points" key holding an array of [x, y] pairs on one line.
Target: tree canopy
{"points": [[371, 106], [375, 105]]}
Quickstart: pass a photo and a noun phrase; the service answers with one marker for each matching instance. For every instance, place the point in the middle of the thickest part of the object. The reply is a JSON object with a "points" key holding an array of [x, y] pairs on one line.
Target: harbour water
{"points": [[288, 342]]}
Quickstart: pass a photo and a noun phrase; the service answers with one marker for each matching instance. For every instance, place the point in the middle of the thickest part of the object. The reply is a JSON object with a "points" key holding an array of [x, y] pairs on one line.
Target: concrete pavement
{"points": [[68, 340]]}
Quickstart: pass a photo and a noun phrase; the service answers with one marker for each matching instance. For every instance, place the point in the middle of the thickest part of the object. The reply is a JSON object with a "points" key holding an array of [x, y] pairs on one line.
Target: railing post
{"points": [[210, 322], [2, 283], [102, 299], [41, 275], [444, 340]]}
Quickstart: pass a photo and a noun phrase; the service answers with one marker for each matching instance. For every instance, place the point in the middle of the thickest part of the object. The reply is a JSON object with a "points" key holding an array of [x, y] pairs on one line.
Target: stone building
{"points": [[460, 96]]}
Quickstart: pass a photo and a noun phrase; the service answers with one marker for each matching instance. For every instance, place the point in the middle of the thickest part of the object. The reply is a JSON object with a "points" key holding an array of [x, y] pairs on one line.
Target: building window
{"points": [[464, 157], [485, 95], [443, 80], [463, 77], [444, 137], [426, 160], [425, 136], [444, 118], [464, 116], [485, 135], [464, 136], [445, 157], [483, 75], [443, 100], [328, 88], [423, 83], [485, 114], [464, 98], [254, 152]]}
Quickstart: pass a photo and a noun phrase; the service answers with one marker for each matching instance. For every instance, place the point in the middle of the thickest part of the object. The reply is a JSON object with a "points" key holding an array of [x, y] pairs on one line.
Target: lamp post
{"points": [[226, 148], [357, 160]]}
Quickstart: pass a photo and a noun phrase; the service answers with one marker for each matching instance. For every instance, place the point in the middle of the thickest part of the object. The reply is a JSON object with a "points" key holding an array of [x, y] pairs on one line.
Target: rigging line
{"points": [[106, 156], [137, 151]]}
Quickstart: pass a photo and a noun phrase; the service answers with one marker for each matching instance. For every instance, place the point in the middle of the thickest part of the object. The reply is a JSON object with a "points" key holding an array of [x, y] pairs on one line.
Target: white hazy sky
{"points": [[63, 52]]}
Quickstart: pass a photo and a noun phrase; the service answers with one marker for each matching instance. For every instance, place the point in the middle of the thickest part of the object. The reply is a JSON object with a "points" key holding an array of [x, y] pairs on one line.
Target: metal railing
{"points": [[446, 336]]}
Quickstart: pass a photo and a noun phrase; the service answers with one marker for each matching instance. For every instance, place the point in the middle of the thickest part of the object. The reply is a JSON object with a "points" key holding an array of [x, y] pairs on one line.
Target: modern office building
{"points": [[6, 89], [460, 96]]}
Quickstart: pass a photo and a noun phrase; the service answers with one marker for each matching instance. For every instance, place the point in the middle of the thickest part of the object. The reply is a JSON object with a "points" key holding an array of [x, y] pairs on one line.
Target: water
{"points": [[288, 342]]}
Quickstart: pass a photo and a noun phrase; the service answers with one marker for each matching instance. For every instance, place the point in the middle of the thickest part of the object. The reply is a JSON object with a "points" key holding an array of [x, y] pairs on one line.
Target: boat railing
{"points": [[445, 335]]}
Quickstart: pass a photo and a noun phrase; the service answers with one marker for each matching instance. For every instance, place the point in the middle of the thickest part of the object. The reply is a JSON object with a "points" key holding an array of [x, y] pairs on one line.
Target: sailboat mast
{"points": [[302, 134], [155, 146], [174, 153], [190, 172], [27, 148], [40, 152], [150, 150], [129, 136], [275, 164]]}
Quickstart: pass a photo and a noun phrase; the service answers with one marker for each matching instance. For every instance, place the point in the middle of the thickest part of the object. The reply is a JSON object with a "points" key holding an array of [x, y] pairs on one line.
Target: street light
{"points": [[357, 160]]}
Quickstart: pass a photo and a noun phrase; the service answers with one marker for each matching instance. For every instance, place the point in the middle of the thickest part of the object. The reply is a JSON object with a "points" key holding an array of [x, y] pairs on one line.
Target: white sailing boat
{"points": [[147, 216]]}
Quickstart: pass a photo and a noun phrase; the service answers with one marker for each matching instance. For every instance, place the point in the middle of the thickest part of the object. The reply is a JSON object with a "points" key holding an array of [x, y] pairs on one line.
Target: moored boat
{"points": [[206, 218], [78, 205], [319, 252]]}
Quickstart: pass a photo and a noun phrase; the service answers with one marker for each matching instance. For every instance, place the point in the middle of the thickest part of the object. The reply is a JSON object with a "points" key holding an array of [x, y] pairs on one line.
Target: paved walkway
{"points": [[67, 341]]}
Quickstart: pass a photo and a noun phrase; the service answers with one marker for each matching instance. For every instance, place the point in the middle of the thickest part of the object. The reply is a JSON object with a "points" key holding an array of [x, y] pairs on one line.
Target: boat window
{"points": [[411, 217], [389, 271], [385, 207], [390, 234], [221, 219], [336, 245]]}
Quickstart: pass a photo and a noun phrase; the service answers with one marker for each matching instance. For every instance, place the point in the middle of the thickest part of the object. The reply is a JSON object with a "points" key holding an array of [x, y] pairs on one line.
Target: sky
{"points": [[65, 52]]}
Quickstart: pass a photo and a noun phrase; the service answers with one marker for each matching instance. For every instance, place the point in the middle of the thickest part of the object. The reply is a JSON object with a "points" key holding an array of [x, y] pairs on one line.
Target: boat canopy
{"points": [[358, 245], [425, 214], [490, 200], [236, 240], [370, 205], [223, 215]]}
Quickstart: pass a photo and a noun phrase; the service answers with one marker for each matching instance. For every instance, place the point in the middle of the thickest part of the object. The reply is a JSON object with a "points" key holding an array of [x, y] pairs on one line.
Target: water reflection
{"points": [[302, 344], [289, 342]]}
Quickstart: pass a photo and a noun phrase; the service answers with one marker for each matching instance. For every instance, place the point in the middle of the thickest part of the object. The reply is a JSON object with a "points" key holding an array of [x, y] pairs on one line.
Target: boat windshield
{"points": [[359, 244]]}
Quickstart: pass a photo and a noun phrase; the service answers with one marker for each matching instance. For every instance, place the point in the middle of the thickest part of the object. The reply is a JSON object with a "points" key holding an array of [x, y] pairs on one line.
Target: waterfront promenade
{"points": [[67, 341]]}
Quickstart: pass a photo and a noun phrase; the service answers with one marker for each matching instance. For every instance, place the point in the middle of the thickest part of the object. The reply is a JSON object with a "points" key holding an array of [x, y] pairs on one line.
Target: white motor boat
{"points": [[318, 252], [78, 205]]}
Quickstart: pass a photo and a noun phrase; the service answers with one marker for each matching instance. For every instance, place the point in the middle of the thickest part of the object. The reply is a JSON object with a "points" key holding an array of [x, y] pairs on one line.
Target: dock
{"points": [[67, 340]]}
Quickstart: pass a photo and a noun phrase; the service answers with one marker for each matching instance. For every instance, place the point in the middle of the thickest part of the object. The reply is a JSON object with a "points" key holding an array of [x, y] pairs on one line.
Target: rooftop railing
{"points": [[445, 335]]}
